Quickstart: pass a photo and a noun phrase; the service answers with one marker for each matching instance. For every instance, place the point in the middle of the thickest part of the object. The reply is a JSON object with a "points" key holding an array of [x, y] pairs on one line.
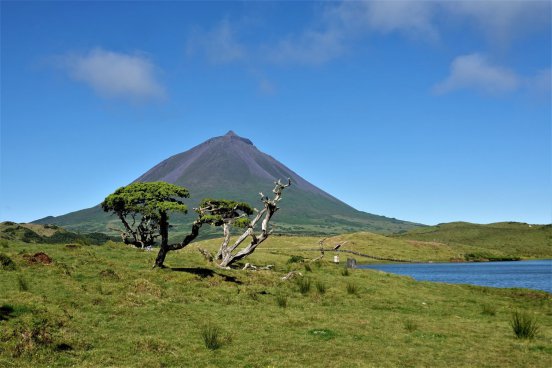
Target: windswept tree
{"points": [[228, 214], [143, 209]]}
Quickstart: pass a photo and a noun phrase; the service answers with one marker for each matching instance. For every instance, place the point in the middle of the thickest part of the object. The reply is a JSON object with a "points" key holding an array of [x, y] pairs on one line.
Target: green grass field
{"points": [[503, 238], [104, 306]]}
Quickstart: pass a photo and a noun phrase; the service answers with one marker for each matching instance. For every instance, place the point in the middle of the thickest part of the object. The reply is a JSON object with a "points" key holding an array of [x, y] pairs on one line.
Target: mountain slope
{"points": [[232, 167]]}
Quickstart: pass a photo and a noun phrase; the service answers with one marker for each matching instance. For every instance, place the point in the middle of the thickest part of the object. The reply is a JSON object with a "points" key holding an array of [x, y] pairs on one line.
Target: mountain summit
{"points": [[231, 167]]}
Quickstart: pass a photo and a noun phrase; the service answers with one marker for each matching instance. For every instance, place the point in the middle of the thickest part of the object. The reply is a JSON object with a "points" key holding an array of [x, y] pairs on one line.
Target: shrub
{"points": [[352, 288], [281, 301], [295, 259], [6, 263], [304, 284], [523, 325], [321, 287], [211, 337]]}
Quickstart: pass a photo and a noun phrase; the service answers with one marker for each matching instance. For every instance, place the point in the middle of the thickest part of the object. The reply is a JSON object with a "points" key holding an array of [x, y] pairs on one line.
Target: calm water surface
{"points": [[520, 274]]}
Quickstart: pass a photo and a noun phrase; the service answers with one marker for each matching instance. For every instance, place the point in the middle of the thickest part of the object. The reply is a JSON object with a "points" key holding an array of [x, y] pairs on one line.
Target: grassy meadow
{"points": [[104, 306], [499, 239]]}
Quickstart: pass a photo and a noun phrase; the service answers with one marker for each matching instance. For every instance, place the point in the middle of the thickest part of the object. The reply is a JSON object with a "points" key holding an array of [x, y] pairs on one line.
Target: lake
{"points": [[520, 274]]}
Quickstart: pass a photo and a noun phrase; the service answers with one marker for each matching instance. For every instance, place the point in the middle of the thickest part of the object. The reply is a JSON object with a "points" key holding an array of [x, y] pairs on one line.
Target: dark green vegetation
{"points": [[498, 241], [105, 306], [50, 234], [232, 167], [524, 325], [144, 208]]}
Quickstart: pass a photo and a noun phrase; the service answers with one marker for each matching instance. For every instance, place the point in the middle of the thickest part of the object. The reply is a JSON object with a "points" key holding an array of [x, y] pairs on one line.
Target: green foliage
{"points": [[523, 325], [219, 211], [345, 272], [6, 263], [147, 199], [295, 259]]}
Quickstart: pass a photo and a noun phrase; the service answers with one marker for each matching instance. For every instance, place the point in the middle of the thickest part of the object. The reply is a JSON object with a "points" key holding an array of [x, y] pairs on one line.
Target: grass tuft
{"points": [[22, 283], [281, 301], [410, 325], [304, 284], [211, 337], [321, 287], [345, 272], [523, 325], [352, 288], [488, 310]]}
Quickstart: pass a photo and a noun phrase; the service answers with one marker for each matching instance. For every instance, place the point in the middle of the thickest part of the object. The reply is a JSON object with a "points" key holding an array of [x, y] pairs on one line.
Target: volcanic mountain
{"points": [[232, 167]]}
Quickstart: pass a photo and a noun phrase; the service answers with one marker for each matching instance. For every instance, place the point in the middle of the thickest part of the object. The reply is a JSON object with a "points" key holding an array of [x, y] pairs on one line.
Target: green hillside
{"points": [[508, 238], [50, 234], [105, 307]]}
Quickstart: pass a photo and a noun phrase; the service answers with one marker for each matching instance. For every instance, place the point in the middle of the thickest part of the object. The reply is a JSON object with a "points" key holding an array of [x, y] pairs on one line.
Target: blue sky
{"points": [[430, 112]]}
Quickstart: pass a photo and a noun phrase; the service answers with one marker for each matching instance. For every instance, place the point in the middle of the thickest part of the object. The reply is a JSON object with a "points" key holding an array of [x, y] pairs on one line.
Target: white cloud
{"points": [[502, 20], [473, 71], [219, 45], [343, 23], [115, 75], [311, 47], [388, 16]]}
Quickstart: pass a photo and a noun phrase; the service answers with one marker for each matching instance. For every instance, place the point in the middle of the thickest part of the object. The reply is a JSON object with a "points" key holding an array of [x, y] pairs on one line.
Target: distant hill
{"points": [[509, 238], [232, 167], [49, 234]]}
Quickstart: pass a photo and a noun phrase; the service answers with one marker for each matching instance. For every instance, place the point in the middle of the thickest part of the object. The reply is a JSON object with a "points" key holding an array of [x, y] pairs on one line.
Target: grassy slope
{"points": [[104, 306], [509, 238]]}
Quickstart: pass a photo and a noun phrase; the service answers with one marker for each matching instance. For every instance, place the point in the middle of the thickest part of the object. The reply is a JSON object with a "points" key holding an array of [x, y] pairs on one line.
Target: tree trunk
{"points": [[165, 247]]}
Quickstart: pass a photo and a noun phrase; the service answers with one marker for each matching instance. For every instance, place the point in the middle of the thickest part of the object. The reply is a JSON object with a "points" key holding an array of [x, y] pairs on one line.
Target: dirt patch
{"points": [[39, 257]]}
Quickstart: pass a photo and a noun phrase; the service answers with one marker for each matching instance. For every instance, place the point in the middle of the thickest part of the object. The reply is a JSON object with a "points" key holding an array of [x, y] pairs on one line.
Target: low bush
{"points": [[6, 263], [295, 259]]}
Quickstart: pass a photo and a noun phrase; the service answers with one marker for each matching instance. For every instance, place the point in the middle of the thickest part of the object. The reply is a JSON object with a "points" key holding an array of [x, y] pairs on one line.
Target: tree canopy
{"points": [[143, 209]]}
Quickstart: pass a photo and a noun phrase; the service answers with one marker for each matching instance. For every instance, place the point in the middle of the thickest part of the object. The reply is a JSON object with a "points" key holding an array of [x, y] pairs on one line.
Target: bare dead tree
{"points": [[229, 214], [229, 253]]}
